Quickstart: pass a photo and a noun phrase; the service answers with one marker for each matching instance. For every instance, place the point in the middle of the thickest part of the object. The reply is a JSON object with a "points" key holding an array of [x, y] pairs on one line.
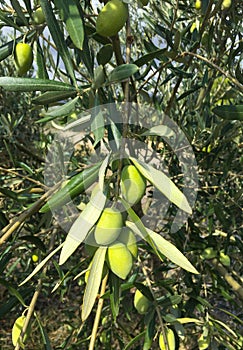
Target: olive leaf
{"points": [[83, 225], [163, 184], [86, 219], [29, 84], [70, 14], [93, 282], [229, 112], [163, 246], [41, 265]]}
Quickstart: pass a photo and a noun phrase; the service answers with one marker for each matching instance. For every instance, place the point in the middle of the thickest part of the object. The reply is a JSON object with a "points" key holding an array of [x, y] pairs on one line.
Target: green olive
{"points": [[111, 18], [108, 226], [23, 56], [119, 259]]}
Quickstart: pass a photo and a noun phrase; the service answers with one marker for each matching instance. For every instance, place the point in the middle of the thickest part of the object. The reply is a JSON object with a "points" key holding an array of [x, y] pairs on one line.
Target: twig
{"points": [[237, 288], [215, 66], [156, 304], [98, 314], [10, 228]]}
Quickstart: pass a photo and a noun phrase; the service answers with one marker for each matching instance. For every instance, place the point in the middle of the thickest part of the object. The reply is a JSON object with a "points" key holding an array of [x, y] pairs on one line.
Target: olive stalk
{"points": [[98, 314]]}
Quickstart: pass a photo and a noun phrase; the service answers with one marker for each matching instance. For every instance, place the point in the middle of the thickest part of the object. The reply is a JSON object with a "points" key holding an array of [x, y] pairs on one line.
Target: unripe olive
{"points": [[198, 4], [108, 226], [226, 4], [224, 258], [111, 18], [23, 56], [119, 259], [133, 184], [141, 302], [38, 16], [170, 340], [34, 258], [128, 238]]}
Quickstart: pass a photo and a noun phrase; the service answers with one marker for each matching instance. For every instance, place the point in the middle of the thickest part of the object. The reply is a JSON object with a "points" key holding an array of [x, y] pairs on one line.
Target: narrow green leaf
{"points": [[62, 110], [157, 242], [29, 84], [135, 340], [83, 225], [137, 226], [171, 252], [41, 264], [76, 185], [44, 335], [163, 184], [52, 96], [149, 56], [102, 172], [122, 72], [239, 72], [225, 326], [105, 54], [97, 122], [58, 37], [160, 130], [229, 112], [70, 14], [115, 294], [28, 6], [184, 320], [19, 11], [6, 19], [13, 291], [41, 64], [94, 281], [99, 77]]}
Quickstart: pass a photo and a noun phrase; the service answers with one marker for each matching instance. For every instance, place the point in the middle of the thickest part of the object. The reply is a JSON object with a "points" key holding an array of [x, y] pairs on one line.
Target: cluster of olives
{"points": [[110, 229], [113, 17]]}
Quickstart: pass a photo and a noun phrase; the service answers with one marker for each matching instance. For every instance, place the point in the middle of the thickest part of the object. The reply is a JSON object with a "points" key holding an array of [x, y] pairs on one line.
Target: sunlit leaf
{"points": [[163, 184], [82, 225], [229, 112], [41, 264], [93, 283], [71, 16]]}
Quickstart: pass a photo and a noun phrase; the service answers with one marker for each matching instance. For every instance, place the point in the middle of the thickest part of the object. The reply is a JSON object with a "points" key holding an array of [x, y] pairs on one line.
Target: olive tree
{"points": [[132, 203]]}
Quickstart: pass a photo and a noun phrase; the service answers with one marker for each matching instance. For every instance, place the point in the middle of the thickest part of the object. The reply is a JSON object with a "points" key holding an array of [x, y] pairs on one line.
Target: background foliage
{"points": [[188, 62]]}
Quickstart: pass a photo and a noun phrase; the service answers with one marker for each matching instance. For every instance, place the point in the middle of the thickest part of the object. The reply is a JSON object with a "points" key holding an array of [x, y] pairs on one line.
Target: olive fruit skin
{"points": [[128, 238], [108, 226], [38, 16], [198, 4], [141, 303], [111, 18], [226, 4], [23, 57], [119, 259], [170, 340], [133, 184]]}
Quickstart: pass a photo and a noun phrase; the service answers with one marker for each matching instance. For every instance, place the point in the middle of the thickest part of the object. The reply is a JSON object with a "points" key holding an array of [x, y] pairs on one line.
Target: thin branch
{"points": [[215, 66]]}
